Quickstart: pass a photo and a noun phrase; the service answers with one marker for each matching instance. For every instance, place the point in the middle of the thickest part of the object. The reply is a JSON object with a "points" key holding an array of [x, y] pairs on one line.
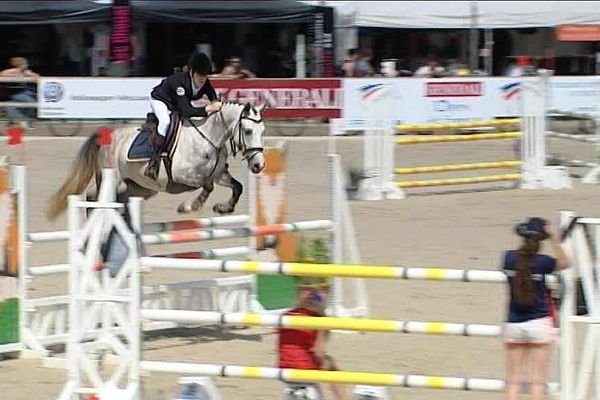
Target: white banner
{"points": [[95, 98], [576, 94], [419, 100]]}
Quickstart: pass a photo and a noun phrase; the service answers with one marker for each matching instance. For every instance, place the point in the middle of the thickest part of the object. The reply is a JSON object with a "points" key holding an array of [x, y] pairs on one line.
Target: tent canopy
{"points": [[88, 11], [459, 14], [222, 11], [52, 12]]}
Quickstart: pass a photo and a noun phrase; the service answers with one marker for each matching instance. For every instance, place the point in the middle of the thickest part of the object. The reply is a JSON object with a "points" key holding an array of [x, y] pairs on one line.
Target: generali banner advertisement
{"points": [[129, 98], [287, 98]]}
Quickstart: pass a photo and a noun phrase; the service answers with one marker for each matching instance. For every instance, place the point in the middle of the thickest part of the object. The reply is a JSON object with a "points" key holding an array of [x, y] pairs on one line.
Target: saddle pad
{"points": [[141, 148]]}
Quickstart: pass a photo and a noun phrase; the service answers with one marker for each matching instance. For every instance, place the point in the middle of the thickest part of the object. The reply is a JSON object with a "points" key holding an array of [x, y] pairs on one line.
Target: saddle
{"points": [[142, 147]]}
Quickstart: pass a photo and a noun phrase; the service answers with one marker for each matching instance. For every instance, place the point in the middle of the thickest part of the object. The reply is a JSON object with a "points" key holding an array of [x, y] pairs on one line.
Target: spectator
{"points": [[430, 70], [363, 65], [529, 330], [455, 68], [349, 64], [305, 348], [20, 69], [234, 69]]}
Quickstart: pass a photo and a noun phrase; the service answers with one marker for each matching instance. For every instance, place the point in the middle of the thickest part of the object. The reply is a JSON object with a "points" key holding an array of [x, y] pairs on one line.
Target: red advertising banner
{"points": [[578, 33], [286, 98]]}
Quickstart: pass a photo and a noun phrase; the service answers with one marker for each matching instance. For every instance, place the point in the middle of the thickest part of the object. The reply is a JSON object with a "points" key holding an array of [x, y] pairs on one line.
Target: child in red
{"points": [[305, 348]]}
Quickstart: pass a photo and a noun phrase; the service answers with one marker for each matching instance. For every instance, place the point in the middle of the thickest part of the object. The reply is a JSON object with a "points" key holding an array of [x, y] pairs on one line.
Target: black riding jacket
{"points": [[176, 92]]}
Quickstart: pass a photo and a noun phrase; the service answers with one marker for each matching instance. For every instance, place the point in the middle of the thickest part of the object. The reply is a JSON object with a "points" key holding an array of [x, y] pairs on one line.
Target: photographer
{"points": [[529, 330]]}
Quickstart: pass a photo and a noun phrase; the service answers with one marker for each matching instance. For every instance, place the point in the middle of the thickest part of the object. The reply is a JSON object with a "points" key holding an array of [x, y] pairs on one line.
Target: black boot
{"points": [[154, 164]]}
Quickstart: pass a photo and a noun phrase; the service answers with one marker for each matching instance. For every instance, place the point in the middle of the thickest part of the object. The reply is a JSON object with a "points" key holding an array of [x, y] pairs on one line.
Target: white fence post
{"points": [[567, 361], [98, 298], [534, 172], [378, 153]]}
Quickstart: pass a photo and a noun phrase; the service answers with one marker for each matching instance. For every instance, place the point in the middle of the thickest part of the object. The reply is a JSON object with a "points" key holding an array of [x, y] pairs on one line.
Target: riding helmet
{"points": [[200, 63]]}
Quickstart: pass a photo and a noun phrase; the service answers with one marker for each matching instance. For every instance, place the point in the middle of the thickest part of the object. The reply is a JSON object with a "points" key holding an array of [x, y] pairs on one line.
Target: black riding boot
{"points": [[154, 164]]}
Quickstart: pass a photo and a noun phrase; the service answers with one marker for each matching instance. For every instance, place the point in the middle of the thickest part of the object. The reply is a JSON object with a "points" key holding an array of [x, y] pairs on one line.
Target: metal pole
{"points": [[489, 51], [474, 38], [300, 57]]}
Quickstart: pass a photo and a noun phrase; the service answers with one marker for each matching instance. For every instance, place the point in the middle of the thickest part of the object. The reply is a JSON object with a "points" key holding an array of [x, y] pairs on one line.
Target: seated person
{"points": [[305, 348], [234, 69], [19, 68]]}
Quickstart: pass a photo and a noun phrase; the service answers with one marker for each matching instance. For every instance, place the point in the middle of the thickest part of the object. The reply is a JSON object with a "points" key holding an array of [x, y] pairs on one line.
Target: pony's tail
{"points": [[85, 166]]}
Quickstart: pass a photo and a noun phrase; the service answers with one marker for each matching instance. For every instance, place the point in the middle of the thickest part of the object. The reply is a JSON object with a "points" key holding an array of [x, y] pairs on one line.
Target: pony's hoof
{"points": [[223, 208], [184, 209]]}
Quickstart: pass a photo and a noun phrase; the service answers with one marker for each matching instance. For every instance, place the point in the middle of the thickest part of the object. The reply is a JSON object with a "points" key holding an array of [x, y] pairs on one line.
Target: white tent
{"points": [[460, 14], [351, 15]]}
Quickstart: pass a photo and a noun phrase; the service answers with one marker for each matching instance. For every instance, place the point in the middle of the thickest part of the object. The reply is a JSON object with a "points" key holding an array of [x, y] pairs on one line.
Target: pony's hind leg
{"points": [[188, 206], [229, 181]]}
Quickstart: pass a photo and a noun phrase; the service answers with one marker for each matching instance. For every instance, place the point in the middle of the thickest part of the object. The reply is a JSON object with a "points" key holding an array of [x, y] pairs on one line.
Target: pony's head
{"points": [[249, 139]]}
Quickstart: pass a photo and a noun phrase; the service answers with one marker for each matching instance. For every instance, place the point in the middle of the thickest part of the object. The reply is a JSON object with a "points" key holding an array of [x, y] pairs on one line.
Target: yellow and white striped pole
{"points": [[327, 270], [457, 167], [317, 376], [455, 138], [458, 125], [321, 323], [458, 181]]}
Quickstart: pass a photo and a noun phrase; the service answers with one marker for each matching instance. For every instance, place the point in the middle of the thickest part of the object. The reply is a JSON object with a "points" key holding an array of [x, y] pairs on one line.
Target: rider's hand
{"points": [[214, 106]]}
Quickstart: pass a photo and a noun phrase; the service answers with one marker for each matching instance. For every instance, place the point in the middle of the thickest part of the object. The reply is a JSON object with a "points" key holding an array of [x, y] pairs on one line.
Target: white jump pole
{"points": [[19, 182]]}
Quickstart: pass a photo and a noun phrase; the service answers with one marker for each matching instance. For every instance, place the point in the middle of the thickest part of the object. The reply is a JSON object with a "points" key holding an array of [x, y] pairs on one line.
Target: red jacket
{"points": [[295, 344]]}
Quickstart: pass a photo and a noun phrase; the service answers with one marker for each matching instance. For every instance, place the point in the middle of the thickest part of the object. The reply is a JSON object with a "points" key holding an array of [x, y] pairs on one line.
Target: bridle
{"points": [[248, 153]]}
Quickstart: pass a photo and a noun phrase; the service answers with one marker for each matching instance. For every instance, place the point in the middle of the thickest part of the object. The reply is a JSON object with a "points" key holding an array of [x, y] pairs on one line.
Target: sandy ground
{"points": [[452, 230]]}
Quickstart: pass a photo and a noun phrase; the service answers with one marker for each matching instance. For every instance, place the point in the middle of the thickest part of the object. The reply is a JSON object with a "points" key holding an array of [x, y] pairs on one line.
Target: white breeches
{"points": [[163, 114]]}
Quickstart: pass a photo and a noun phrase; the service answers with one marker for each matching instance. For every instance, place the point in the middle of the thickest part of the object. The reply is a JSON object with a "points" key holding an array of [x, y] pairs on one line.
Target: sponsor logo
{"points": [[53, 92], [454, 89], [510, 90], [286, 98], [180, 91], [447, 106], [371, 90]]}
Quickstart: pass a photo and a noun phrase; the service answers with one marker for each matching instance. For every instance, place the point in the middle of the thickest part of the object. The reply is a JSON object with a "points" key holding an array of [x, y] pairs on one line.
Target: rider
{"points": [[174, 94]]}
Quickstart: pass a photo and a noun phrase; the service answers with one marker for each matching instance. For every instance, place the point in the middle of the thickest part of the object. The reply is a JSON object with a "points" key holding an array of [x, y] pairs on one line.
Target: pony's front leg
{"points": [[236, 191], [188, 206]]}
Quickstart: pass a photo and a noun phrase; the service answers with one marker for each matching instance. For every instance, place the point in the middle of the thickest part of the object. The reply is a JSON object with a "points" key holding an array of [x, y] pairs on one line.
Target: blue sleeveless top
{"points": [[542, 265]]}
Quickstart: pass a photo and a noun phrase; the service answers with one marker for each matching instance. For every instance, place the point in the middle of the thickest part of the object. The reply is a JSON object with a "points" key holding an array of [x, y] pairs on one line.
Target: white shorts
{"points": [[535, 331]]}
